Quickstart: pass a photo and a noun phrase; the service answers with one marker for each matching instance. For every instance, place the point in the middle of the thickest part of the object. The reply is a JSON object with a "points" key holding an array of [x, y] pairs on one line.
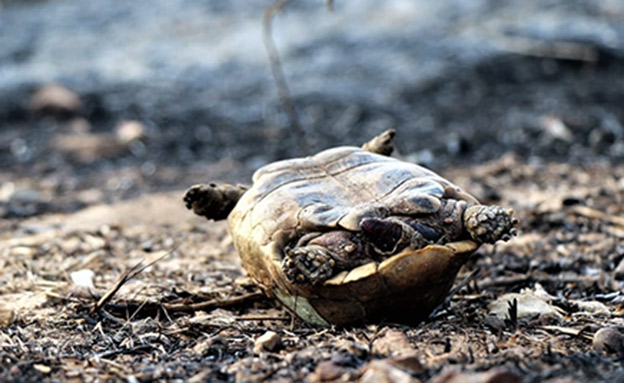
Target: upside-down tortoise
{"points": [[351, 235]]}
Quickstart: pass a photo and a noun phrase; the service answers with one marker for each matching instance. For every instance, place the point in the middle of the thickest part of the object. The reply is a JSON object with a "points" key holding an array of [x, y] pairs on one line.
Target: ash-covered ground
{"points": [[519, 102]]}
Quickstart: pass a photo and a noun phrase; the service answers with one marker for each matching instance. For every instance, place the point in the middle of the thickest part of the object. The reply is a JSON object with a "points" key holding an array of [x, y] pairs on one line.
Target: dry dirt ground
{"points": [[517, 101], [191, 315]]}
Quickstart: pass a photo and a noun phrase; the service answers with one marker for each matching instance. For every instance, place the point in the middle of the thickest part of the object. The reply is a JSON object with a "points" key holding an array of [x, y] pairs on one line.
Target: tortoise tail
{"points": [[213, 201]]}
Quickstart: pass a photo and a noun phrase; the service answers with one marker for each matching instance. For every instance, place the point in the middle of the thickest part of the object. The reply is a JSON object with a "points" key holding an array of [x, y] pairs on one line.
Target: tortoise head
{"points": [[488, 224]]}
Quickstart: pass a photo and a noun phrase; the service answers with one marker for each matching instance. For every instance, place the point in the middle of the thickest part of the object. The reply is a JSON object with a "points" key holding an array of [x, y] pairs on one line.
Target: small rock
{"points": [[42, 368], [128, 131], [6, 316], [608, 340], [392, 342], [269, 341], [326, 371], [556, 129], [55, 100], [384, 371], [495, 375]]}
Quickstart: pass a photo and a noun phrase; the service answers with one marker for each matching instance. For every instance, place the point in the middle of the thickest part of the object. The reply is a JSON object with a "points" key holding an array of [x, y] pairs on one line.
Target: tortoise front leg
{"points": [[213, 201], [382, 144]]}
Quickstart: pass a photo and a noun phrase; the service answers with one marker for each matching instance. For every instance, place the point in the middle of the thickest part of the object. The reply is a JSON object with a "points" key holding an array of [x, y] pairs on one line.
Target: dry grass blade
{"points": [[127, 276]]}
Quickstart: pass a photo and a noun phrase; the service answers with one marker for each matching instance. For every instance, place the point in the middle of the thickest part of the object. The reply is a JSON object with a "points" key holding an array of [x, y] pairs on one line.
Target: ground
{"points": [[514, 103]]}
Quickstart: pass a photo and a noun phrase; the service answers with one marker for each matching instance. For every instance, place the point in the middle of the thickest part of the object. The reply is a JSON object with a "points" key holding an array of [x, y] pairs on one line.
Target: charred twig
{"points": [[278, 73], [512, 312]]}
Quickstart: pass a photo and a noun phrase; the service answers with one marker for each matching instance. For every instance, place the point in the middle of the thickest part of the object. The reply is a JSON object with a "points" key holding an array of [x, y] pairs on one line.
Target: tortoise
{"points": [[351, 235]]}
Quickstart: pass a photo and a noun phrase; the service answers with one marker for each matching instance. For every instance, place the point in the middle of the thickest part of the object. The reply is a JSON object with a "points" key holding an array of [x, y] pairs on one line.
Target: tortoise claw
{"points": [[308, 265]]}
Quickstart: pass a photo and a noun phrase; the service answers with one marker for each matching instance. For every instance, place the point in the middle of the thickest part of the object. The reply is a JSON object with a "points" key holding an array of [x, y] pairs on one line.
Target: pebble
{"points": [[129, 130], [55, 99], [6, 316], [384, 371], [326, 371], [269, 341], [608, 340], [391, 343], [495, 375]]}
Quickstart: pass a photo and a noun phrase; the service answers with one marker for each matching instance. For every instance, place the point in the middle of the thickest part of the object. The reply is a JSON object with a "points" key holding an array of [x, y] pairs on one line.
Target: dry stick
{"points": [[278, 73]]}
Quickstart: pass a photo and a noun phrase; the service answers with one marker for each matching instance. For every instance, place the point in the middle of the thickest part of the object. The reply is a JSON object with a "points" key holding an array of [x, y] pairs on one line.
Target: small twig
{"points": [[528, 279], [588, 212], [127, 276], [278, 73], [260, 317], [214, 303]]}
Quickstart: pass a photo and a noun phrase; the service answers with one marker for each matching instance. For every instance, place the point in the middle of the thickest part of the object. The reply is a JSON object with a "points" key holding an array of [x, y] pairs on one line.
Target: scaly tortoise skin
{"points": [[351, 235]]}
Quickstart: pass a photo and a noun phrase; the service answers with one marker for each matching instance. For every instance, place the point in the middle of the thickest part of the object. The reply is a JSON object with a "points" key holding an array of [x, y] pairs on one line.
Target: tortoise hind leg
{"points": [[382, 144], [310, 264], [213, 201]]}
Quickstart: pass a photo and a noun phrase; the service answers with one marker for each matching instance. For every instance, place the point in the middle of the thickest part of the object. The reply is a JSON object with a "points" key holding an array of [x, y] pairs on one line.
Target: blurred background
{"points": [[102, 100]]}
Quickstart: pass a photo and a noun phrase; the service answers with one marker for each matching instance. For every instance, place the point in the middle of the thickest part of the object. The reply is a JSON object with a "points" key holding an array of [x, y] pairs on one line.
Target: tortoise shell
{"points": [[336, 188]]}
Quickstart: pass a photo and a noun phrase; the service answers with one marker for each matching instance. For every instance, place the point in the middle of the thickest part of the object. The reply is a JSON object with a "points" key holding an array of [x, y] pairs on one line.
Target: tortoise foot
{"points": [[308, 265], [488, 224], [213, 201]]}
